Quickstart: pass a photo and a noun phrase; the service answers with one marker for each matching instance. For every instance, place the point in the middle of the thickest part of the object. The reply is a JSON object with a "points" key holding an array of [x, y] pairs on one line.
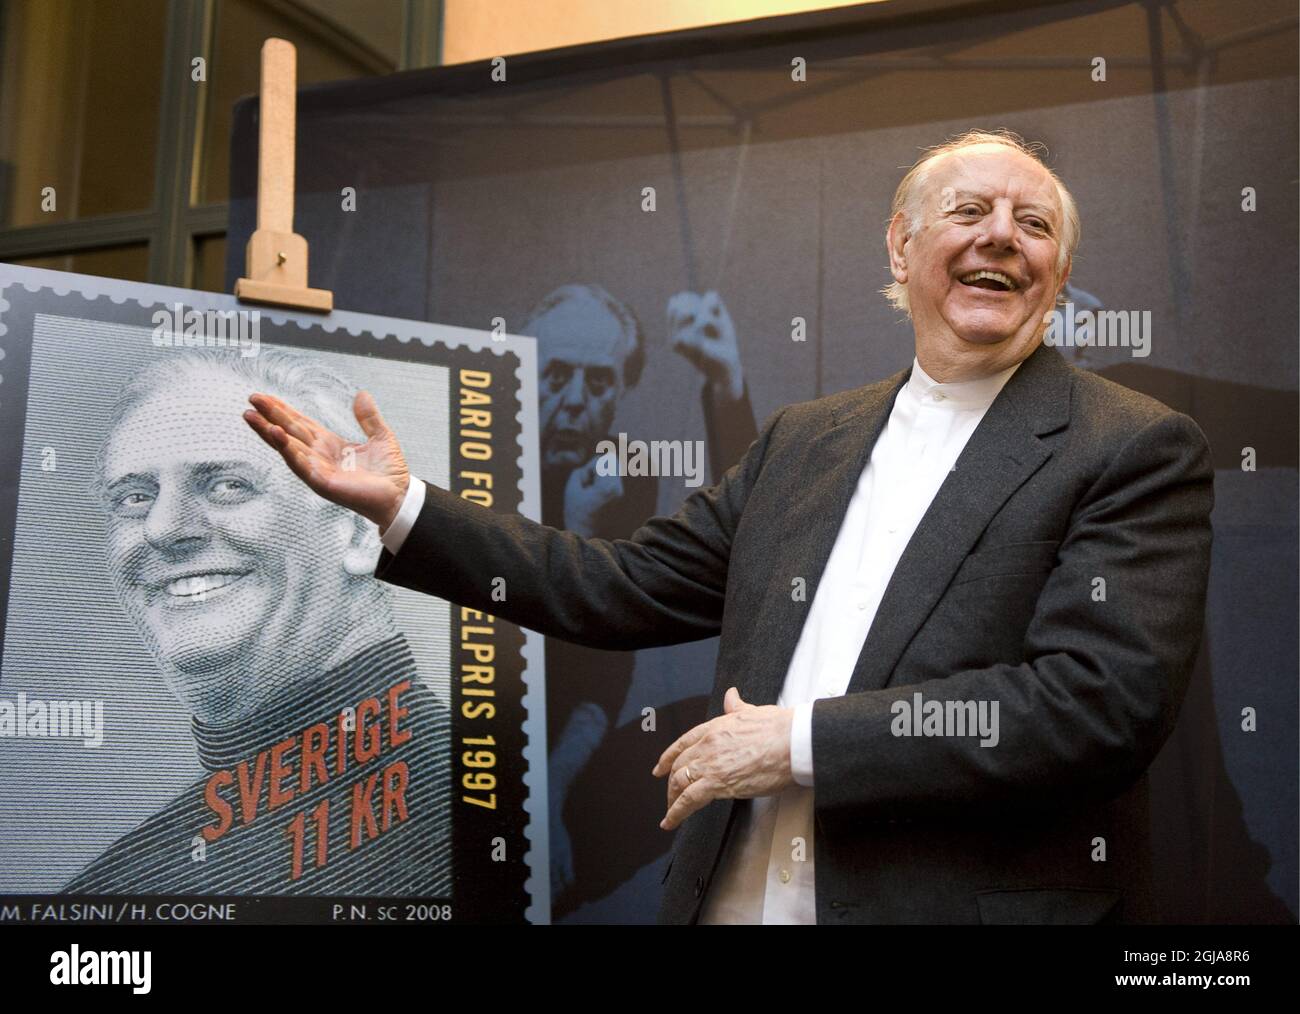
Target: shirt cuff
{"points": [[395, 534], [801, 758]]}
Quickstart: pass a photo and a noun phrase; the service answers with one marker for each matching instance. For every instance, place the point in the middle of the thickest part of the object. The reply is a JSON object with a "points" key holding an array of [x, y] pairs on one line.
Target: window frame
{"points": [[175, 224]]}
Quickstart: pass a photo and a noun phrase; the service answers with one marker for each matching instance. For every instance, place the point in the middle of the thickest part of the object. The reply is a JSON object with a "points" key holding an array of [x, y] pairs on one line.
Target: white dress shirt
{"points": [[395, 534], [766, 873]]}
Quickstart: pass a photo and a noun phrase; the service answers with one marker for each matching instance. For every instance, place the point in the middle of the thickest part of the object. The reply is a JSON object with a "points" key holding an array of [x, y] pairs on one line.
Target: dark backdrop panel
{"points": [[475, 198]]}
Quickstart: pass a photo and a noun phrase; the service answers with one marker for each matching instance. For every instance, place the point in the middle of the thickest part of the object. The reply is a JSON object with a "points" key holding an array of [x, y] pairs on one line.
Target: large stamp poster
{"points": [[210, 709]]}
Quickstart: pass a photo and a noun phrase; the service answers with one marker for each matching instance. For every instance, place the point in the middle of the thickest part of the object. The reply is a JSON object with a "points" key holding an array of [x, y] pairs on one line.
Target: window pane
{"points": [[209, 264], [80, 89], [129, 262], [335, 41]]}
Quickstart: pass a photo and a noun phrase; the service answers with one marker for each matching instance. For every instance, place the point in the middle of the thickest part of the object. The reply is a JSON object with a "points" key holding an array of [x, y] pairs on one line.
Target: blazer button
{"points": [[699, 886]]}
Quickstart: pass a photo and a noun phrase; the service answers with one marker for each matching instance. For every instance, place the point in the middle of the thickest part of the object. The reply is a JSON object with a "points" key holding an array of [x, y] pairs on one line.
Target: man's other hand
{"points": [[743, 753], [370, 479]]}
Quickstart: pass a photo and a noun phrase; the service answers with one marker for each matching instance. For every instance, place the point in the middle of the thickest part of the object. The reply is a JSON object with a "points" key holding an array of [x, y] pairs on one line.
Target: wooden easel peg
{"points": [[276, 256]]}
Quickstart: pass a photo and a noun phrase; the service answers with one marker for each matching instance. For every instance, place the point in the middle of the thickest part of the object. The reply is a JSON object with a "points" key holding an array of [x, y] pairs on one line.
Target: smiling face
{"points": [[981, 267], [227, 564], [583, 348]]}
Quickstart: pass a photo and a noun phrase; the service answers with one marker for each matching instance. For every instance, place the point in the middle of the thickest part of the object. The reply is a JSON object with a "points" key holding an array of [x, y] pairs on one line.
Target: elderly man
{"points": [[958, 607]]}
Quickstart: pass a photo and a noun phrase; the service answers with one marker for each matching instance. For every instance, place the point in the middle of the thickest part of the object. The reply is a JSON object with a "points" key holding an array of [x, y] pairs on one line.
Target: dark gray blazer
{"points": [[1061, 571]]}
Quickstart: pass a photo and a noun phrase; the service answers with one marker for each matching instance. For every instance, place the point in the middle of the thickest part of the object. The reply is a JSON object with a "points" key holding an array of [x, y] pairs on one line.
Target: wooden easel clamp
{"points": [[275, 259]]}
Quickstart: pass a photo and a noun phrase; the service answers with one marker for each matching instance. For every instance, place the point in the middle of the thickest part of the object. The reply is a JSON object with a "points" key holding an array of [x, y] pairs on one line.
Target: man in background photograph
{"points": [[591, 353]]}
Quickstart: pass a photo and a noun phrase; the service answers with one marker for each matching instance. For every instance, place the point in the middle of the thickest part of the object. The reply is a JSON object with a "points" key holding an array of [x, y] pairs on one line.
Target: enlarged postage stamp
{"points": [[210, 708]]}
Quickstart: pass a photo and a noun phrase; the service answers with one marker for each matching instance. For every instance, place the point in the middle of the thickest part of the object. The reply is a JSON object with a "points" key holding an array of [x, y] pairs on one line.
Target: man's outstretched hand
{"points": [[370, 479]]}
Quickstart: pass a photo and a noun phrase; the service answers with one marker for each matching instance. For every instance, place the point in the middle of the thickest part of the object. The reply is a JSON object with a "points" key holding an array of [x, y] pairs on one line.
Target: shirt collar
{"points": [[978, 393]]}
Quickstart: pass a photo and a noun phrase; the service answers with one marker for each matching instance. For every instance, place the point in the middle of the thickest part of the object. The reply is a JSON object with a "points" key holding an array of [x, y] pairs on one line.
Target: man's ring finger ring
{"points": [[687, 772]]}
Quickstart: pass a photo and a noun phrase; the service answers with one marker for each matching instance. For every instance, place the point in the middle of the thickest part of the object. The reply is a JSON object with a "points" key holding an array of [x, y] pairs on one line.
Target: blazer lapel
{"points": [[1002, 453], [822, 490]]}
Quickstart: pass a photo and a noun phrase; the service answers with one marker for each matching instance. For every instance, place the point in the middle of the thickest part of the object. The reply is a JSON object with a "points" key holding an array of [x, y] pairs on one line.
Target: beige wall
{"points": [[479, 29]]}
